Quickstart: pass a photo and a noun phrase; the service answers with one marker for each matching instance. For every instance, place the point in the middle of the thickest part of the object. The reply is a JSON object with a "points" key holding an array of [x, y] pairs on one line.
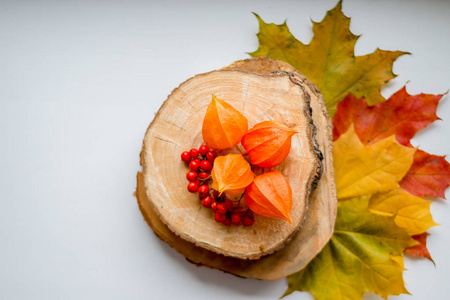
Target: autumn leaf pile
{"points": [[385, 185]]}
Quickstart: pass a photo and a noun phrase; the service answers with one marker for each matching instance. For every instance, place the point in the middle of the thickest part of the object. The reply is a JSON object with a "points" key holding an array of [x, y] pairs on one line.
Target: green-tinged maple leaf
{"points": [[329, 60], [364, 170], [364, 254]]}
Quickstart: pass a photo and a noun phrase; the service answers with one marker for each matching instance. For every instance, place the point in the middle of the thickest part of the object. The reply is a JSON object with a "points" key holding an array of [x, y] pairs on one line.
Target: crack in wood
{"points": [[167, 140], [176, 125]]}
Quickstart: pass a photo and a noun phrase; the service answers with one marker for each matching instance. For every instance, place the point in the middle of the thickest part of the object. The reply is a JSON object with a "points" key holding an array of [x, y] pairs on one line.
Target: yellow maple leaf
{"points": [[411, 213], [364, 170], [365, 253], [329, 60]]}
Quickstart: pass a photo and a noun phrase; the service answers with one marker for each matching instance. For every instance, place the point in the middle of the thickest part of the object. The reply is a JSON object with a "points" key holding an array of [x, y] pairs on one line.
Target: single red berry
{"points": [[214, 205], [203, 175], [248, 221], [194, 165], [216, 194], [205, 165], [194, 153], [191, 176], [227, 222], [211, 156], [228, 204], [221, 209], [192, 187], [203, 150], [220, 217], [203, 191], [206, 202], [186, 157], [235, 219]]}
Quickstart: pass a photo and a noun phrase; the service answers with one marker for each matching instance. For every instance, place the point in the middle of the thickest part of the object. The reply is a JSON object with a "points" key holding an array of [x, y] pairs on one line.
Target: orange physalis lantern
{"points": [[231, 174], [270, 195], [268, 143], [223, 126]]}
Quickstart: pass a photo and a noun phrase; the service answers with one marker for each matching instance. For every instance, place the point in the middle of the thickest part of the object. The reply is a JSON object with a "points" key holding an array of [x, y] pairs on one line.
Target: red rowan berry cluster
{"points": [[200, 162]]}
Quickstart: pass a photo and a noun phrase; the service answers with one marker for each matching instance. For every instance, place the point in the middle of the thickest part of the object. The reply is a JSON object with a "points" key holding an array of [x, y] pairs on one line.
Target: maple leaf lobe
{"points": [[410, 212], [421, 249], [429, 175]]}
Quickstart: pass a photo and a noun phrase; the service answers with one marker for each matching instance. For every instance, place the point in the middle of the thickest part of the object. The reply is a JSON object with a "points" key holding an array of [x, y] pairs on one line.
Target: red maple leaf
{"points": [[403, 115], [428, 176], [421, 249]]}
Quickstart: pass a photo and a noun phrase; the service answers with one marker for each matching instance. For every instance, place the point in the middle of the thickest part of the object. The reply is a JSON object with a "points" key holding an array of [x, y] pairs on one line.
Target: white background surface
{"points": [[79, 83]]}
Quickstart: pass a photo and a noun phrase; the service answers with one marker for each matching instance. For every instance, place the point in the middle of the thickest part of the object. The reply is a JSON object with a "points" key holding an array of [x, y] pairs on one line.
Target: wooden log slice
{"points": [[177, 127], [317, 228]]}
